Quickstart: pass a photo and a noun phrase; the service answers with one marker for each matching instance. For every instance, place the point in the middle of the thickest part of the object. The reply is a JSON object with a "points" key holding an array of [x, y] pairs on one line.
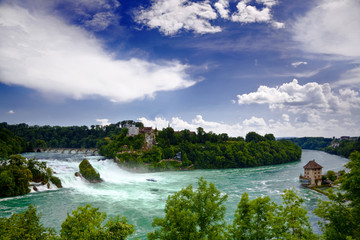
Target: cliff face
{"points": [[88, 172]]}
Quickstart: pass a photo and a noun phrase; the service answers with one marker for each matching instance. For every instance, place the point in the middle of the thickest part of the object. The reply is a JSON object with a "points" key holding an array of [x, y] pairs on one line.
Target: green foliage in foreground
{"points": [[88, 172], [199, 214], [341, 215], [87, 223], [16, 172], [84, 223], [192, 214], [24, 225]]}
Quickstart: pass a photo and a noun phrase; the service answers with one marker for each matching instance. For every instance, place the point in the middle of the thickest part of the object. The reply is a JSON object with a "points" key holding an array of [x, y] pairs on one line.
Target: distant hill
{"points": [[313, 143]]}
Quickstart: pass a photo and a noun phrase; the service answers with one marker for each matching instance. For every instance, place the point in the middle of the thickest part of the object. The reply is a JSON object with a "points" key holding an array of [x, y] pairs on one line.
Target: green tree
{"points": [[341, 215], [253, 219], [331, 175], [86, 223], [292, 221], [192, 214], [24, 225]]}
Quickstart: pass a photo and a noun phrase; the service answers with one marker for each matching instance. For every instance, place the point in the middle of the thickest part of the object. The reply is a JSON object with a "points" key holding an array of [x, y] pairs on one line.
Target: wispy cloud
{"points": [[332, 27], [303, 74], [296, 64], [42, 52], [11, 112]]}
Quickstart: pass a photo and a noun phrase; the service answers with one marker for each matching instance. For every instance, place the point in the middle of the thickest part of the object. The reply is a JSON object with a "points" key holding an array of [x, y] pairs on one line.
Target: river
{"points": [[131, 195]]}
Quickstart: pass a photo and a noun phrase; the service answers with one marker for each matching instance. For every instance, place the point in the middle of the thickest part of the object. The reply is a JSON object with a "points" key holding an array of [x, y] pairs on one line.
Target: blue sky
{"points": [[291, 68]]}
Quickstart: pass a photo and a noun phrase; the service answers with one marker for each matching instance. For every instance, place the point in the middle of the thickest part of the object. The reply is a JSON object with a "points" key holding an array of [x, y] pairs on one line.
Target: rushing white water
{"points": [[131, 195]]}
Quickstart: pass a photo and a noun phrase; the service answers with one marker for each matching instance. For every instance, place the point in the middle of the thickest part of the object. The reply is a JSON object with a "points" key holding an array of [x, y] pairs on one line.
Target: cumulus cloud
{"points": [[316, 108], [332, 27], [281, 127], [250, 14], [42, 52], [158, 122], [172, 16], [254, 122], [222, 6], [103, 121], [178, 124], [11, 112], [296, 97], [296, 64]]}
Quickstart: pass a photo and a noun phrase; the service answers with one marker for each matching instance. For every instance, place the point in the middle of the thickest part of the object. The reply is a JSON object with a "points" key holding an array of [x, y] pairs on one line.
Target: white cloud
{"points": [[250, 14], [282, 127], [286, 117], [100, 21], [178, 124], [254, 122], [332, 27], [296, 64], [170, 16], [103, 121], [11, 112], [247, 13], [222, 6], [41, 52], [158, 122], [298, 98], [277, 25], [314, 106], [268, 3], [349, 78]]}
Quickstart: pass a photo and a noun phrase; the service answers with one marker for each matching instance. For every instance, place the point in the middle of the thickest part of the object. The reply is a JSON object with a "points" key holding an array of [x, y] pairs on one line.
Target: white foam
{"points": [[42, 187]]}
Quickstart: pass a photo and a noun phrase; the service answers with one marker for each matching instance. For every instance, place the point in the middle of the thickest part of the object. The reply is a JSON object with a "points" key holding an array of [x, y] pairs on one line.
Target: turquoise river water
{"points": [[131, 195]]}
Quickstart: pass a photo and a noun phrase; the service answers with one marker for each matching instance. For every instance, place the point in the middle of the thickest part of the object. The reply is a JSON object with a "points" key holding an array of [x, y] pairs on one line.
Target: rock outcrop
{"points": [[88, 172]]}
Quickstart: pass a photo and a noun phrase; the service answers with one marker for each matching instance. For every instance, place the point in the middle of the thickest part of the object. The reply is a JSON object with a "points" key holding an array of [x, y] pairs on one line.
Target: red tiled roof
{"points": [[312, 165]]}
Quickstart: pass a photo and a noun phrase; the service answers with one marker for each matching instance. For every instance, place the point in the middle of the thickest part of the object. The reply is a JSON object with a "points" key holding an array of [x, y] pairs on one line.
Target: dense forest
{"points": [[11, 144], [201, 150], [66, 137], [172, 150], [344, 148], [341, 147], [313, 143]]}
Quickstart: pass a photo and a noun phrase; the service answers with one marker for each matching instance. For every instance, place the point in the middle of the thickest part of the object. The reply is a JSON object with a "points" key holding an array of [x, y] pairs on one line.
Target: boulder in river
{"points": [[88, 172]]}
